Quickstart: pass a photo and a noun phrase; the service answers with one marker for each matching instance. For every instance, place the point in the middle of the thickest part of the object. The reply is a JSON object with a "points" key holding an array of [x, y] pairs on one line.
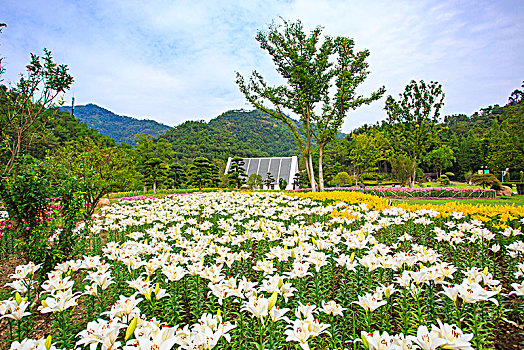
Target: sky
{"points": [[176, 60]]}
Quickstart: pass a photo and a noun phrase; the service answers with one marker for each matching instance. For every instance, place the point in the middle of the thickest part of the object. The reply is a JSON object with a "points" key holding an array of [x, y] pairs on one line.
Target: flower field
{"points": [[419, 192], [273, 271]]}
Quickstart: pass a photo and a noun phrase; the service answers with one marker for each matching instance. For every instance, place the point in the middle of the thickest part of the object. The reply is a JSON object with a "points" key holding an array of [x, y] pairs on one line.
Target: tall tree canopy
{"points": [[321, 75], [412, 119]]}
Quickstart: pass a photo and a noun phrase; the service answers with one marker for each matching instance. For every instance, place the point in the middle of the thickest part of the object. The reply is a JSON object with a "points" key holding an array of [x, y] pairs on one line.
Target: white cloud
{"points": [[175, 60]]}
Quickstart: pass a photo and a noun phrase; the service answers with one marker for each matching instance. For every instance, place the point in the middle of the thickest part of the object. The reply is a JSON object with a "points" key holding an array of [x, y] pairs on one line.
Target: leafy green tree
{"points": [[349, 72], [507, 145], [369, 149], [402, 168], [255, 181], [201, 172], [311, 65], [25, 109], [441, 158], [486, 180], [96, 170], [177, 175], [412, 119], [342, 179], [296, 181], [154, 156], [282, 183], [237, 172], [269, 181]]}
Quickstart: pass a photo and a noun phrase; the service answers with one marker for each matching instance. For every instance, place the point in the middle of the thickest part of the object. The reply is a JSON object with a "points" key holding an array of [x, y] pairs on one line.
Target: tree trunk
{"points": [[154, 187], [145, 188], [312, 174], [414, 174], [320, 168]]}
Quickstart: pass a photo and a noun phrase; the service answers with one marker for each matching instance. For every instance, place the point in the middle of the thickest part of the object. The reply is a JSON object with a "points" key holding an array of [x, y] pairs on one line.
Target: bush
{"points": [[444, 180], [485, 180], [343, 179], [520, 188]]}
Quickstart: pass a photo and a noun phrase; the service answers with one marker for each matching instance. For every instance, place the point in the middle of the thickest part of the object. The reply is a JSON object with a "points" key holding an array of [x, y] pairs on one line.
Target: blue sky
{"points": [[176, 60]]}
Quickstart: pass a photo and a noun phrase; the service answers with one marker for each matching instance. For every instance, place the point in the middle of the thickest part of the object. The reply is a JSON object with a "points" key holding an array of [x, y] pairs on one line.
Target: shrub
{"points": [[444, 180], [449, 174], [485, 180], [342, 179]]}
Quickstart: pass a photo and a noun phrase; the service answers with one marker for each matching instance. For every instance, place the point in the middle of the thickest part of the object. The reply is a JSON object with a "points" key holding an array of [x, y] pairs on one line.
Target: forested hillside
{"points": [[120, 128]]}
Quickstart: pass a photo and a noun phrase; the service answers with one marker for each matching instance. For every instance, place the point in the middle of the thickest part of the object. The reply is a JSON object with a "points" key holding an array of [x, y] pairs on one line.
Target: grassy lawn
{"points": [[517, 200]]}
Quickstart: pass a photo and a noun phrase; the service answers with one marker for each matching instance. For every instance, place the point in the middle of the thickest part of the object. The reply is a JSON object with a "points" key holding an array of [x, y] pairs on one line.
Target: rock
{"points": [[103, 202], [505, 191]]}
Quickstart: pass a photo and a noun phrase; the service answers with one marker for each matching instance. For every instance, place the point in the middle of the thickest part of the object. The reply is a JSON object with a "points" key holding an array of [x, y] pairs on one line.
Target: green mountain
{"points": [[120, 128], [233, 133]]}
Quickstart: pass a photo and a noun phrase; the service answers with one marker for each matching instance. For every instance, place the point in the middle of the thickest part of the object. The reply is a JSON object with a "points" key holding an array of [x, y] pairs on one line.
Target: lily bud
{"points": [[364, 341], [280, 283], [352, 257], [388, 293], [293, 254], [157, 288], [486, 270], [131, 328], [148, 278], [314, 240], [420, 265], [272, 300], [48, 342], [18, 298], [147, 295], [219, 312]]}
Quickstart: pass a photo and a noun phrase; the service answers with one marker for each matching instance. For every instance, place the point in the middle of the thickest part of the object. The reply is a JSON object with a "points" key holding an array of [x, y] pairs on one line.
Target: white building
{"points": [[279, 167]]}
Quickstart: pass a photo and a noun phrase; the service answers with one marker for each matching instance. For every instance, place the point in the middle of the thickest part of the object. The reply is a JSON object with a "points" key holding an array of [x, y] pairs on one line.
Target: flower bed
{"points": [[418, 192], [267, 270]]}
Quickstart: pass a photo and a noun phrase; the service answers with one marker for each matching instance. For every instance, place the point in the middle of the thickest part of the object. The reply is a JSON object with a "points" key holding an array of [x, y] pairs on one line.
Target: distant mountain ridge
{"points": [[120, 128], [233, 133]]}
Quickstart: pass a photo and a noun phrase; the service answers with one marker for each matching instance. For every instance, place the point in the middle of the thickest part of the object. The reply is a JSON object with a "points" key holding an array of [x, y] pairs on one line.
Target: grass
{"points": [[517, 200]]}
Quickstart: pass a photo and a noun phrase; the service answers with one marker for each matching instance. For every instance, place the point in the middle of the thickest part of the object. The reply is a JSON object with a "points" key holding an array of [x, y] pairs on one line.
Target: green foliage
{"points": [[486, 180], [343, 179], [153, 156], [311, 66], [255, 181], [119, 128], [177, 175], [95, 170], [193, 139], [443, 179], [368, 149], [269, 181], [262, 135], [412, 119], [203, 173], [236, 172], [282, 183], [46, 232], [440, 158], [402, 168], [450, 175]]}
